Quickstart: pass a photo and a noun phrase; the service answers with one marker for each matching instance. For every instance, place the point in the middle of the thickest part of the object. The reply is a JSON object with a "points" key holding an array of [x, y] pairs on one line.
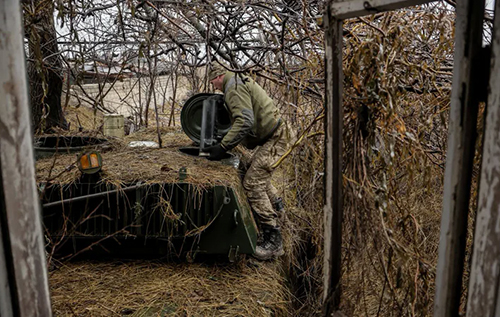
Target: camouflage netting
{"points": [[154, 288], [123, 164]]}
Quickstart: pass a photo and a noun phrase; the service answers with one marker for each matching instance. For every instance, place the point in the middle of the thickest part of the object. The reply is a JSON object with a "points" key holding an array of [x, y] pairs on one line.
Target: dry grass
{"points": [[152, 288], [83, 116], [122, 164], [142, 288], [391, 267]]}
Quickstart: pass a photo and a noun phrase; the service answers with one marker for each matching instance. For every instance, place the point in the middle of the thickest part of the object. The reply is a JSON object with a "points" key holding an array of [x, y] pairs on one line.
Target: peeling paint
{"points": [[484, 285], [22, 212]]}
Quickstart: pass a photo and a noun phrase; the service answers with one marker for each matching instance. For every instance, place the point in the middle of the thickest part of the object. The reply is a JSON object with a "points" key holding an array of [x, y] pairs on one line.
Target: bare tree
{"points": [[44, 66]]}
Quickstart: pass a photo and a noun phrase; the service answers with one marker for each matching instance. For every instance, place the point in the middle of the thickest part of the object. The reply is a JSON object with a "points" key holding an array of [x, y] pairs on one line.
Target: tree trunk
{"points": [[44, 67]]}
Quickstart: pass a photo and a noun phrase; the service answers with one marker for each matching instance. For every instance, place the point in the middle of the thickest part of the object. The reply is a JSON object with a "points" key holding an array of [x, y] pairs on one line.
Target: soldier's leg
{"points": [[255, 183], [276, 202], [280, 144], [271, 191], [269, 244], [244, 165]]}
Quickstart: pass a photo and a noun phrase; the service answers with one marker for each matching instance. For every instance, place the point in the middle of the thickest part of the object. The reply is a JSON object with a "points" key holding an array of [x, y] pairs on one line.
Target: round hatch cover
{"points": [[191, 116]]}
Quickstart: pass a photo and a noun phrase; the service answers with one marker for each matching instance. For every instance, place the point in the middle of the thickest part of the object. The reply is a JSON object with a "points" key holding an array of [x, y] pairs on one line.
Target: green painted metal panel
{"points": [[233, 228], [177, 217]]}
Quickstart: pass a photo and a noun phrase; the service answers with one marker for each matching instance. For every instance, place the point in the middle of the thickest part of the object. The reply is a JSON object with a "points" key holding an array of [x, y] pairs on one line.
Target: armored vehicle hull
{"points": [[173, 219]]}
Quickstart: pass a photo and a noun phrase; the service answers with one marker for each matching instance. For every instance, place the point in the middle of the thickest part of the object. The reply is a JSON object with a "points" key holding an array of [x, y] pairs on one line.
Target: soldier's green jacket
{"points": [[254, 115]]}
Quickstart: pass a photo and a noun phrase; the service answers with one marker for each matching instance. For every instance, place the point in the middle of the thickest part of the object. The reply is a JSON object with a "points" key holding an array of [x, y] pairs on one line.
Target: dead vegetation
{"points": [[398, 69], [83, 118], [151, 288], [125, 164], [397, 82], [160, 288]]}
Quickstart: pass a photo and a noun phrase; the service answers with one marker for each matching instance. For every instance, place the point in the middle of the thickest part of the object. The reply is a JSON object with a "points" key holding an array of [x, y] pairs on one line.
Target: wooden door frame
{"points": [[461, 141], [24, 287]]}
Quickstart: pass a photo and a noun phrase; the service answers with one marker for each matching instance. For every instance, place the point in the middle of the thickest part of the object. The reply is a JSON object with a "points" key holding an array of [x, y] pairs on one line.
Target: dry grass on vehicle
{"points": [[123, 164]]}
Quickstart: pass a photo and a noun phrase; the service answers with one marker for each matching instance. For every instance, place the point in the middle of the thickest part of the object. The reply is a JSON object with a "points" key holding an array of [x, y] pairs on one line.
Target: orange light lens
{"points": [[84, 162], [94, 160]]}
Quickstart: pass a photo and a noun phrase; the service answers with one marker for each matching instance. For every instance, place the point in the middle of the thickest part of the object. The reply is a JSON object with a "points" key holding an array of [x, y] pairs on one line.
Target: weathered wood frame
{"points": [[342, 10], [23, 278], [23, 274], [463, 117], [484, 283], [465, 98], [333, 164]]}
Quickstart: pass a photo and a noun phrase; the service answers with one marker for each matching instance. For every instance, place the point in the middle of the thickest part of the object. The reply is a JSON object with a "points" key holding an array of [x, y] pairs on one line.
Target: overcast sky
{"points": [[490, 4]]}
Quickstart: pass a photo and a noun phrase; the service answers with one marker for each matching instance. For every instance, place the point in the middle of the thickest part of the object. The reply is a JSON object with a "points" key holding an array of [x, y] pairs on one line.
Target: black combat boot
{"points": [[270, 244]]}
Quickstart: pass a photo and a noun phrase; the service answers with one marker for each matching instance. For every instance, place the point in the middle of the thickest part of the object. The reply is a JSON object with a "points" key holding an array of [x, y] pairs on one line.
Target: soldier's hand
{"points": [[217, 152]]}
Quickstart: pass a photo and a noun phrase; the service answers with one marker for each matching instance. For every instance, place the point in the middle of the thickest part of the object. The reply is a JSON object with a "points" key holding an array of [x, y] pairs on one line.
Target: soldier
{"points": [[255, 122]]}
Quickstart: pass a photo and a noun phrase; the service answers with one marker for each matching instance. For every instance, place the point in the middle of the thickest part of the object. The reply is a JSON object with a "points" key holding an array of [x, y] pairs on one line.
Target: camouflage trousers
{"points": [[261, 194]]}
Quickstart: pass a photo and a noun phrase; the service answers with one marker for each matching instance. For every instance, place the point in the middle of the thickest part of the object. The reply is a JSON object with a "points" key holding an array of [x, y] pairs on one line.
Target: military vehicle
{"points": [[174, 217]]}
